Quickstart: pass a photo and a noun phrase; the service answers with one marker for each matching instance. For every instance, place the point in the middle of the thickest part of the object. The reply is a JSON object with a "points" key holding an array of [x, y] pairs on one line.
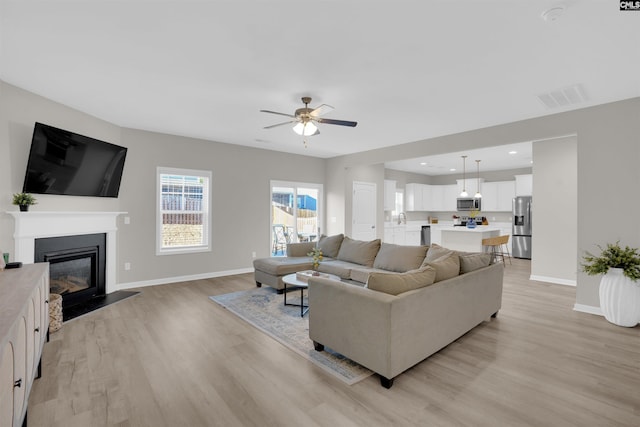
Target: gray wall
{"points": [[608, 151], [19, 110], [555, 183], [240, 202], [240, 188]]}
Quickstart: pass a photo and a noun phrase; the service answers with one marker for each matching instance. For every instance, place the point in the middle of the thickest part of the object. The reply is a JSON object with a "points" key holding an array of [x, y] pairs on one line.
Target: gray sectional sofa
{"points": [[395, 305]]}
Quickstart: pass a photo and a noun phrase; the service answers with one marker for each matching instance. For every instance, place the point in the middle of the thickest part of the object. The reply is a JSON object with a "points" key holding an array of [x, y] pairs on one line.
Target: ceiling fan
{"points": [[305, 117]]}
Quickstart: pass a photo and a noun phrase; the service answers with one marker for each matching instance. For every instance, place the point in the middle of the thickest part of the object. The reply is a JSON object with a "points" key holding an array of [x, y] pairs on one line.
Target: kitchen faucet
{"points": [[400, 216]]}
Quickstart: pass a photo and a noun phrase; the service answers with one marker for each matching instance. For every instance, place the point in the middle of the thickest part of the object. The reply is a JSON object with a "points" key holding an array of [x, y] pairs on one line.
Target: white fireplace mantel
{"points": [[30, 226]]}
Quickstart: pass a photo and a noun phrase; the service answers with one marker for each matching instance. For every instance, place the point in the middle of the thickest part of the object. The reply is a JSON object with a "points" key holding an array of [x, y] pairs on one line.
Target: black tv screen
{"points": [[63, 162]]}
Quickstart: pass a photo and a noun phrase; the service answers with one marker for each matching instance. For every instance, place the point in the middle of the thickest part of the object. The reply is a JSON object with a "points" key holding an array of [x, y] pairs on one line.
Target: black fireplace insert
{"points": [[77, 266]]}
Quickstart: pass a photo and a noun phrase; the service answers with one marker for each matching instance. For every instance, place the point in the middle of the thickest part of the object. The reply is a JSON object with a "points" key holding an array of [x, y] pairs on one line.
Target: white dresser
{"points": [[24, 321]]}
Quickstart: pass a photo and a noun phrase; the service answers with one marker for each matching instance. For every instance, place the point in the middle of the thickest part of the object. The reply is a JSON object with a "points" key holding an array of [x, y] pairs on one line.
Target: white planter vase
{"points": [[620, 298]]}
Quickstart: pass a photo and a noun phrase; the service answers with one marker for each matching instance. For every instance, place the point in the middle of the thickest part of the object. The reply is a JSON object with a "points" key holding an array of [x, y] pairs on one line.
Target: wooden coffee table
{"points": [[292, 281]]}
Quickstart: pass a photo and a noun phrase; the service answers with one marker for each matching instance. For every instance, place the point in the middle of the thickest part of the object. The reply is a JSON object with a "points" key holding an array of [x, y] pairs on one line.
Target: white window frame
{"points": [[206, 212]]}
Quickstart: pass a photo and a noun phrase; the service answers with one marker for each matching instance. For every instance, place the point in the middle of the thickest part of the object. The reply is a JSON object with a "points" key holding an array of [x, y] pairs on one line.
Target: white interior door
{"points": [[364, 211]]}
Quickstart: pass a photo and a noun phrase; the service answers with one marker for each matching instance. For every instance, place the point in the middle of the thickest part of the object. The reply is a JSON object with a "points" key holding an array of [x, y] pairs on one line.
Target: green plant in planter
{"points": [[613, 256], [316, 255], [24, 199]]}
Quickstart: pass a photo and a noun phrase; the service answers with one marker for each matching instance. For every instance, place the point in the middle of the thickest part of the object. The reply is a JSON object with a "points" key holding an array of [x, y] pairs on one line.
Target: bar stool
{"points": [[495, 245]]}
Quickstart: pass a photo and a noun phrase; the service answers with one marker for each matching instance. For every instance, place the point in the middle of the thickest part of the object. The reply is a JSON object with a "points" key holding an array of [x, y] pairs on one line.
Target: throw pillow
{"points": [[395, 284], [436, 251], [330, 245], [358, 251], [446, 267], [473, 261], [399, 258]]}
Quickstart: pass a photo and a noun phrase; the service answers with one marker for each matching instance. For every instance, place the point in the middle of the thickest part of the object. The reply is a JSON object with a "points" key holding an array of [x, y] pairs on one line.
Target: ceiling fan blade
{"points": [[280, 114], [336, 122], [280, 124], [322, 109]]}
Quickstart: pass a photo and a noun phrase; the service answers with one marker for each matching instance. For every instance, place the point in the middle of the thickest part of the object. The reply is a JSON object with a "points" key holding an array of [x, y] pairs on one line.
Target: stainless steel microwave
{"points": [[469, 204]]}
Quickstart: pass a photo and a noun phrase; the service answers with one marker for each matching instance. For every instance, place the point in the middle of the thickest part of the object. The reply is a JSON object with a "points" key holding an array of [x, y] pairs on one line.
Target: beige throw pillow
{"points": [[395, 284], [399, 258], [473, 261], [436, 251], [330, 245], [358, 251], [446, 267]]}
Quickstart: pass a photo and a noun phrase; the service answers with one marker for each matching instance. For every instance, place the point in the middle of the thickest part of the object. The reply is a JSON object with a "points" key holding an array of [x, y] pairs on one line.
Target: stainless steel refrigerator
{"points": [[521, 230]]}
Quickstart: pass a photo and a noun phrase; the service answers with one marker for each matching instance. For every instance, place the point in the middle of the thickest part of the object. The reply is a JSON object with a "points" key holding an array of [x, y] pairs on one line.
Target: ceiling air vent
{"points": [[564, 97]]}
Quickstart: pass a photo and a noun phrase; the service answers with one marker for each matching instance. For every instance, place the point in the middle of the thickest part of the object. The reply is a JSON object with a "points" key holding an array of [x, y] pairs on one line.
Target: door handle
{"points": [[373, 226]]}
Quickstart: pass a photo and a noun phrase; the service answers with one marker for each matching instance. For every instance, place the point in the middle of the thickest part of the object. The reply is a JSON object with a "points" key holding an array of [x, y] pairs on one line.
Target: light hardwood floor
{"points": [[171, 357]]}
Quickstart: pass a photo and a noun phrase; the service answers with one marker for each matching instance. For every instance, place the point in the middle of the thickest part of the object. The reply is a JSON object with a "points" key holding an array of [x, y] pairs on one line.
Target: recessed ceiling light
{"points": [[423, 163], [513, 152], [452, 170]]}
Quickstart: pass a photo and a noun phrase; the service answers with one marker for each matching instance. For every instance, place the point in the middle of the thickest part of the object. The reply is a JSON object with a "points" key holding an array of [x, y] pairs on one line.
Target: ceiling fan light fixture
{"points": [[305, 129]]}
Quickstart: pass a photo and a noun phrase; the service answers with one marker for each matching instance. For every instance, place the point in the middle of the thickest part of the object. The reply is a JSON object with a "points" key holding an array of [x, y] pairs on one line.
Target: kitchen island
{"points": [[467, 239]]}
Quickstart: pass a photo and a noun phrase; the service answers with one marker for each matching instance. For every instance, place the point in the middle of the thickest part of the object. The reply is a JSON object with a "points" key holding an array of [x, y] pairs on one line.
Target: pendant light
{"points": [[478, 195], [464, 178]]}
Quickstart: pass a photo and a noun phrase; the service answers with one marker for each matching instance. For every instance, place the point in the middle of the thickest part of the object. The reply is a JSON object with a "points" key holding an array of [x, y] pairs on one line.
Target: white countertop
{"points": [[478, 229]]}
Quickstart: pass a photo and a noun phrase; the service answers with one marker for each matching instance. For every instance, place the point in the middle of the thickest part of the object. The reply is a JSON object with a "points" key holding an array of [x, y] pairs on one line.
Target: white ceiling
{"points": [[404, 70], [503, 157]]}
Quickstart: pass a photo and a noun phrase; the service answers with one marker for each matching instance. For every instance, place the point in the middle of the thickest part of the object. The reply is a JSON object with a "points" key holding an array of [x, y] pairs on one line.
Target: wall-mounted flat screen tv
{"points": [[63, 162]]}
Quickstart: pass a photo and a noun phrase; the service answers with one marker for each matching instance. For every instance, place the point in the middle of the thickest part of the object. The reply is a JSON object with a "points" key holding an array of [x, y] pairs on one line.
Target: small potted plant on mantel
{"points": [[24, 200], [619, 286]]}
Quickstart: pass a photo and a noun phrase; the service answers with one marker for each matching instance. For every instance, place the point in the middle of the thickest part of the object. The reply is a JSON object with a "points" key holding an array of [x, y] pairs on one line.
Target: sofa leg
{"points": [[386, 382], [317, 346], [494, 315], [258, 284]]}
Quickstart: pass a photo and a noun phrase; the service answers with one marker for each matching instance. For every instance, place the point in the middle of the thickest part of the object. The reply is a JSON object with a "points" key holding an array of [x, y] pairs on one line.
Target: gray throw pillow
{"points": [[399, 258], [446, 267], [358, 251], [330, 245], [397, 283], [473, 261]]}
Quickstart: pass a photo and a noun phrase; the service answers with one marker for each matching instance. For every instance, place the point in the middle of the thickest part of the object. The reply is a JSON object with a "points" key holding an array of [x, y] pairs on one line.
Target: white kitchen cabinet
{"points": [[524, 185], [435, 200], [427, 197], [412, 237], [436, 234], [490, 197], [389, 195], [412, 234], [450, 196], [399, 235], [497, 196], [413, 196], [506, 193], [388, 235]]}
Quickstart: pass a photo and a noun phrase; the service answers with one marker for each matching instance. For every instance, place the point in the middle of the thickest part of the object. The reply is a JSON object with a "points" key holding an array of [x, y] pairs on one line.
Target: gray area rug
{"points": [[265, 309]]}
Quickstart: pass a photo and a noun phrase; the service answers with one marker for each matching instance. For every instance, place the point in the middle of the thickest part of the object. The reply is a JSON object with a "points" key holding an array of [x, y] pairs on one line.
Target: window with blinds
{"points": [[183, 210]]}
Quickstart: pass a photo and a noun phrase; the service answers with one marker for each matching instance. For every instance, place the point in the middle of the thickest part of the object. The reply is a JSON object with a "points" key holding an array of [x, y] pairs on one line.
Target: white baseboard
{"points": [[555, 280], [588, 309], [176, 279]]}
